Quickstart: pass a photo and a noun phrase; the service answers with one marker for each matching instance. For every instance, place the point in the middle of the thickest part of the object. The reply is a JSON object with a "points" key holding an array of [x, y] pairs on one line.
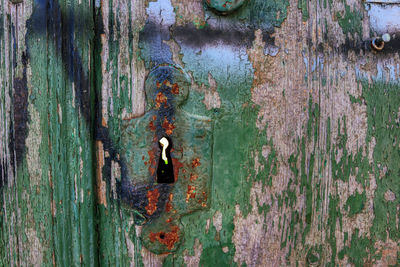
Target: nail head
{"points": [[386, 37]]}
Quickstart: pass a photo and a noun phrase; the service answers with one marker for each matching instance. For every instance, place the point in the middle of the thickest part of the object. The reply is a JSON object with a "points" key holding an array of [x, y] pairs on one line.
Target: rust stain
{"points": [[152, 162], [168, 206], [152, 197], [168, 239], [191, 192], [193, 177], [152, 126], [101, 185], [196, 163], [168, 127], [167, 83], [204, 201], [160, 98], [104, 122], [389, 255], [177, 165], [175, 89]]}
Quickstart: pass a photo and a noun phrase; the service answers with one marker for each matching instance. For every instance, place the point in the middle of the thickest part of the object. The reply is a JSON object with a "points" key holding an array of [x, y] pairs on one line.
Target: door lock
{"points": [[162, 152]]}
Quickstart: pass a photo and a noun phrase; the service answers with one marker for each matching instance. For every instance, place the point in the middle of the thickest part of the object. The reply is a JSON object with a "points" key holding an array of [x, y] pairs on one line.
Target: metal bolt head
{"points": [[377, 44], [225, 6], [386, 37]]}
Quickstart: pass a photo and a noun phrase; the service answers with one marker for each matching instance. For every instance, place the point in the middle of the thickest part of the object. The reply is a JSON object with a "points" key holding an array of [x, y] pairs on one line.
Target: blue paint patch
{"points": [[153, 50]]}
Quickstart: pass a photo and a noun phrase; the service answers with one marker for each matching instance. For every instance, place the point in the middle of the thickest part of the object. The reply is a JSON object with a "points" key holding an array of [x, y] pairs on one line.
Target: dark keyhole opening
{"points": [[165, 170], [162, 236]]}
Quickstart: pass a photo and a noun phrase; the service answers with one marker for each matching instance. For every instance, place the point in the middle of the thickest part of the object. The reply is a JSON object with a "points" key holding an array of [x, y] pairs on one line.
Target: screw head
{"points": [[225, 6]]}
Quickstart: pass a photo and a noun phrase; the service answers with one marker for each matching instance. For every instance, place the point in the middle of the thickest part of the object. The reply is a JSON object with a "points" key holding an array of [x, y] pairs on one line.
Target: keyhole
{"points": [[165, 170]]}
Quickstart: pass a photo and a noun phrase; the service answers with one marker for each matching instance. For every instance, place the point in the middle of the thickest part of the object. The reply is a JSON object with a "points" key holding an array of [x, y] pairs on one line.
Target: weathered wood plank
{"points": [[47, 100]]}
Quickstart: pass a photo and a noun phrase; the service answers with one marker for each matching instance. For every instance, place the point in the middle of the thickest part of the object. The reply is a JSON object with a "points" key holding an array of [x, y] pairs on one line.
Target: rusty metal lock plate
{"points": [[161, 203]]}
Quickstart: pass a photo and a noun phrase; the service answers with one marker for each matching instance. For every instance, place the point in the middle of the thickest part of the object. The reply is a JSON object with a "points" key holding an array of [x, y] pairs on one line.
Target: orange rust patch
{"points": [[104, 122], [193, 177], [191, 192], [167, 83], [168, 206], [152, 197], [175, 89], [152, 126], [204, 201], [177, 165], [160, 98], [168, 127], [152, 162], [196, 163], [168, 239], [158, 84]]}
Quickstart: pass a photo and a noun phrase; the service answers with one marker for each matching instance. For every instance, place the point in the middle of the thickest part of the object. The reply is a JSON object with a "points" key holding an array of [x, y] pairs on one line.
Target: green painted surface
{"points": [[350, 21], [302, 4], [383, 105]]}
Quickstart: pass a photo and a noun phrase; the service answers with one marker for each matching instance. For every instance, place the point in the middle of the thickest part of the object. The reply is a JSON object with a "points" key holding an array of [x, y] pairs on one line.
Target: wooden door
{"points": [[282, 117]]}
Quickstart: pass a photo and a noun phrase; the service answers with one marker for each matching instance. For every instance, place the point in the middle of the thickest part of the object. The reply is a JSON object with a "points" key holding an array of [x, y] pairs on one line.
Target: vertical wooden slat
{"points": [[119, 84], [52, 193]]}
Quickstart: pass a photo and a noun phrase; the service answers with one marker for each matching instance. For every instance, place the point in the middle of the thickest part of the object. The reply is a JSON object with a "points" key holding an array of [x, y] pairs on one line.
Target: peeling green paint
{"points": [[355, 203], [383, 102], [350, 21], [358, 250], [303, 5], [53, 199]]}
